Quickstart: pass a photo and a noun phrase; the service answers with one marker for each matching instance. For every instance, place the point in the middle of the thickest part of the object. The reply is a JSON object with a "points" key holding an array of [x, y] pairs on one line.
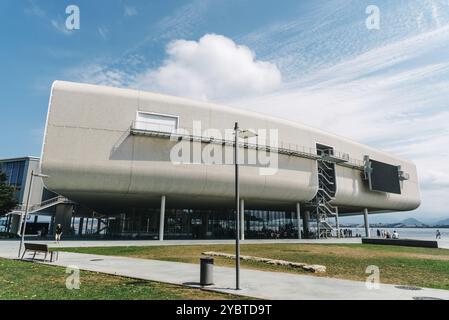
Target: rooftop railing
{"points": [[167, 131]]}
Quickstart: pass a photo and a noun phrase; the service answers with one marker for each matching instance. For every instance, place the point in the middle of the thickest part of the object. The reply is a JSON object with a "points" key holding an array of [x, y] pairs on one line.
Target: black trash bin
{"points": [[207, 271]]}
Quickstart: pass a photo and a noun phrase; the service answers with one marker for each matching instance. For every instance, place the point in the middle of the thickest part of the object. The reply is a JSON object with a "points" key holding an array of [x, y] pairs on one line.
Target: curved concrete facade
{"points": [[91, 157]]}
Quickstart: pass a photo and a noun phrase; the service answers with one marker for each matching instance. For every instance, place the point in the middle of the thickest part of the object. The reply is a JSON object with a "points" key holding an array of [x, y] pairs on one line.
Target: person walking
{"points": [[58, 233], [438, 234]]}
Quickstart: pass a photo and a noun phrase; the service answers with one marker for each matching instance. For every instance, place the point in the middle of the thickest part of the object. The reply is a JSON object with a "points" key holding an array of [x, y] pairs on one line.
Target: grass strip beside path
{"points": [[422, 267], [21, 280]]}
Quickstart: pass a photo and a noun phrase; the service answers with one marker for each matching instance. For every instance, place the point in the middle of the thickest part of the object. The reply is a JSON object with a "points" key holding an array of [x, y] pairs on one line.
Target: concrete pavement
{"points": [[443, 244], [133, 243], [258, 284]]}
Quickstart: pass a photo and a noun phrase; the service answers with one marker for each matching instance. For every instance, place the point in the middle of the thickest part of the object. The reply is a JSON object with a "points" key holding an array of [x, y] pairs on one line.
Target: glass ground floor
{"points": [[203, 224]]}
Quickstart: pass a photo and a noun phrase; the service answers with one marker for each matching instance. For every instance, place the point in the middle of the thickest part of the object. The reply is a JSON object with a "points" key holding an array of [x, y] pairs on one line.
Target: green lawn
{"points": [[421, 267], [33, 281]]}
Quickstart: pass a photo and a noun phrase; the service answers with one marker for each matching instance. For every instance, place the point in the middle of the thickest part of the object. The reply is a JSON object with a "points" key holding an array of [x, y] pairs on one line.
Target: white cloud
{"points": [[61, 27], [35, 10], [98, 73], [57, 23], [213, 68], [103, 32], [130, 11], [393, 97]]}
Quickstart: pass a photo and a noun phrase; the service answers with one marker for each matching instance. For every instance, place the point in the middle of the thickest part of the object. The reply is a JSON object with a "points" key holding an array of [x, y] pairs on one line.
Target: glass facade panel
{"points": [[14, 172], [204, 224]]}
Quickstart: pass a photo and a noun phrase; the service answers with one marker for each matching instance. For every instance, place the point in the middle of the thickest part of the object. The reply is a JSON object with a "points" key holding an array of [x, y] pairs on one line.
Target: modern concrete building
{"points": [[156, 165]]}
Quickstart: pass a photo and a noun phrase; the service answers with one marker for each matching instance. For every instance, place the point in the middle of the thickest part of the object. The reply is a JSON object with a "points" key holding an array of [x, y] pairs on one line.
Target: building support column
{"points": [[63, 216], [8, 223], [365, 215], [52, 225], [242, 219], [337, 222], [15, 224], [298, 217], [162, 219], [122, 223], [80, 226], [306, 224]]}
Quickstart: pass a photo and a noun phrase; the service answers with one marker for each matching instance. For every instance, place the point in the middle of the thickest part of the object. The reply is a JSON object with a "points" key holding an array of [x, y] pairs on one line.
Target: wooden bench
{"points": [[37, 247]]}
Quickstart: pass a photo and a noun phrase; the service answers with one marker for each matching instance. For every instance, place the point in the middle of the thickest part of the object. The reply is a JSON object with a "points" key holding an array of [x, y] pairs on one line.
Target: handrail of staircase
{"points": [[328, 210], [326, 165], [46, 203], [325, 192], [328, 205], [22, 208], [324, 172], [325, 187], [325, 178]]}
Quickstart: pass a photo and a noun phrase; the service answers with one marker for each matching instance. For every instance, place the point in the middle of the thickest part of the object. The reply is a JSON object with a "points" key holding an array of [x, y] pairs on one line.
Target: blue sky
{"points": [[388, 88]]}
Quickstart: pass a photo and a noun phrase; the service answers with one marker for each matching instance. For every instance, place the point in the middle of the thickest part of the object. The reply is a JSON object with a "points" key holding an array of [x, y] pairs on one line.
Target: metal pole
{"points": [[22, 239], [237, 210], [306, 226], [242, 219]]}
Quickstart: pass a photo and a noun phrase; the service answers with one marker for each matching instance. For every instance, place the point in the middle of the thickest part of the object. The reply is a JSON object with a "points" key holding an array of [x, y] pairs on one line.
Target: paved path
{"points": [[132, 243], [443, 244], [259, 284]]}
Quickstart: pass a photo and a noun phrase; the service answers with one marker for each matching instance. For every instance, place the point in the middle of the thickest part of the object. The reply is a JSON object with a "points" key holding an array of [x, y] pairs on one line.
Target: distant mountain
{"points": [[444, 222], [412, 222]]}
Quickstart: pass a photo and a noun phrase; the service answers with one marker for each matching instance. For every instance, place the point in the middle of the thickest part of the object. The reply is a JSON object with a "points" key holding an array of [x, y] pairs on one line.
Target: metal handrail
{"points": [[322, 205], [322, 171], [323, 163], [141, 127], [326, 193], [321, 184], [325, 178], [22, 208]]}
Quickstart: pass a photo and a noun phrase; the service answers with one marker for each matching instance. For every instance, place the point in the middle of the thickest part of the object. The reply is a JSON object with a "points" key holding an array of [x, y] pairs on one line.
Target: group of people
{"points": [[385, 234], [347, 233]]}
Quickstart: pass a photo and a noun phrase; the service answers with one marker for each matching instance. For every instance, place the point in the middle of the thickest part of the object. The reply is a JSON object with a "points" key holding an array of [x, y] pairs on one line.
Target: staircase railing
{"points": [[39, 206]]}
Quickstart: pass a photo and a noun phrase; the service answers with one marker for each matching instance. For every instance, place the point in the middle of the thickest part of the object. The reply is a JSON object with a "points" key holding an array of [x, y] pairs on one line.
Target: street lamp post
{"points": [[245, 134], [26, 208]]}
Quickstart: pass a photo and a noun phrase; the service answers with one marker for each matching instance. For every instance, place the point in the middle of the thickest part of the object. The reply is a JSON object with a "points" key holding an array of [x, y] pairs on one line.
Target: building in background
{"points": [[44, 206], [18, 173]]}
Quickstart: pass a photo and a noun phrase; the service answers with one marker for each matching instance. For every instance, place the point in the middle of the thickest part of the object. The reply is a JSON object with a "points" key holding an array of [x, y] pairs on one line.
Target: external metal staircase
{"points": [[320, 208], [20, 209]]}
